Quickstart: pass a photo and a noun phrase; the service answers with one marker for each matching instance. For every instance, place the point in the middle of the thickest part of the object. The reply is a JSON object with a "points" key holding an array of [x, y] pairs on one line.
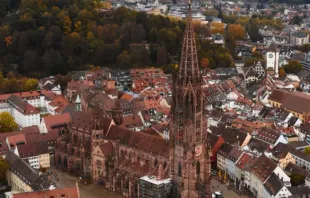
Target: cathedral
{"points": [[93, 145]]}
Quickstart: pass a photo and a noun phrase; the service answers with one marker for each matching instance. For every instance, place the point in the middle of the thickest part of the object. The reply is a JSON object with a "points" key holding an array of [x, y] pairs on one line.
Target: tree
{"points": [[257, 54], [297, 179], [296, 20], [124, 59], [153, 35], [217, 27], [30, 60], [236, 30], [161, 56], [305, 48], [293, 66], [4, 166], [282, 74], [204, 62], [7, 123], [253, 29], [31, 84], [65, 21], [53, 62], [307, 150], [211, 13], [250, 61]]}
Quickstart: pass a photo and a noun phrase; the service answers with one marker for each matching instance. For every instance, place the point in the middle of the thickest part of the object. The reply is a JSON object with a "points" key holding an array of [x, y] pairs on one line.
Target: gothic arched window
{"points": [[165, 164], [198, 168], [179, 169], [155, 162], [119, 182]]}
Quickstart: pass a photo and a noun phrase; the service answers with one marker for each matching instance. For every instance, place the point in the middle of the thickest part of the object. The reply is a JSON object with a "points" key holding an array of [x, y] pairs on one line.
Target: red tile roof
{"points": [[244, 160], [263, 168], [295, 101], [15, 139], [145, 142], [60, 119], [29, 150], [107, 149], [127, 97]]}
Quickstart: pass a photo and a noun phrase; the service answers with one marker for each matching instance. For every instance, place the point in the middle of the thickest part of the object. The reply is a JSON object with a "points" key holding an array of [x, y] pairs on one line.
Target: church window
{"points": [[119, 182], [155, 162], [179, 169], [198, 167], [165, 165]]}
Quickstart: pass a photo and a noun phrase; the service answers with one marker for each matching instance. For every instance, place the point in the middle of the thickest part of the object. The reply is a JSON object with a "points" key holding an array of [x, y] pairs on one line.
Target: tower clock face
{"points": [[198, 151], [270, 55]]}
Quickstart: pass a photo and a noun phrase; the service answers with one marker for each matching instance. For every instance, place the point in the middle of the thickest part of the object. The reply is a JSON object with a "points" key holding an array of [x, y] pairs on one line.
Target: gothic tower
{"points": [[189, 153]]}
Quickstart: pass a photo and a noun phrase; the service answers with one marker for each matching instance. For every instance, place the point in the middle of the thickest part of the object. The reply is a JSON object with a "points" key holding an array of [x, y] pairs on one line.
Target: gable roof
{"points": [[56, 120], [143, 141], [107, 149], [263, 168], [22, 106], [273, 185], [295, 101], [29, 150]]}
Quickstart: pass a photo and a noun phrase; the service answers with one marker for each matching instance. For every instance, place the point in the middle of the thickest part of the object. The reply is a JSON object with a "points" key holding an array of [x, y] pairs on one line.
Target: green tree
{"points": [[161, 56], [4, 166], [297, 179], [305, 48], [293, 66], [53, 62], [153, 35], [7, 122], [296, 20], [253, 30]]}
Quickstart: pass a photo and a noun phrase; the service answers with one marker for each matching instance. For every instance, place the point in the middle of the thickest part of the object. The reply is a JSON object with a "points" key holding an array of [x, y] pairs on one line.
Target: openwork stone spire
{"points": [[189, 68], [189, 151]]}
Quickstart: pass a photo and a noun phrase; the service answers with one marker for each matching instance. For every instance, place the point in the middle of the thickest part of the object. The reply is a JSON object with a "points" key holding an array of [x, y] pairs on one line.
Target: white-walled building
{"points": [[36, 154], [274, 187]]}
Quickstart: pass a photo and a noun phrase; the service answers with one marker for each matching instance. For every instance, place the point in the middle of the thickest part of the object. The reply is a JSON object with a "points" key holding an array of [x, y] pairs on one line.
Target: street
{"points": [[218, 186]]}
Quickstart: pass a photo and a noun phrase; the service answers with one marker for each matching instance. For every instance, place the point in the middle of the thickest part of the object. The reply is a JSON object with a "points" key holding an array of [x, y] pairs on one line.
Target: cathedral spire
{"points": [[189, 68]]}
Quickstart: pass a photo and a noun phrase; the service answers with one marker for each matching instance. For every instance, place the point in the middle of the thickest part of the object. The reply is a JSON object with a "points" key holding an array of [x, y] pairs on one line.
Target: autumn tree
{"points": [[124, 59], [237, 31], [65, 21], [7, 122], [204, 62], [282, 74], [217, 27]]}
